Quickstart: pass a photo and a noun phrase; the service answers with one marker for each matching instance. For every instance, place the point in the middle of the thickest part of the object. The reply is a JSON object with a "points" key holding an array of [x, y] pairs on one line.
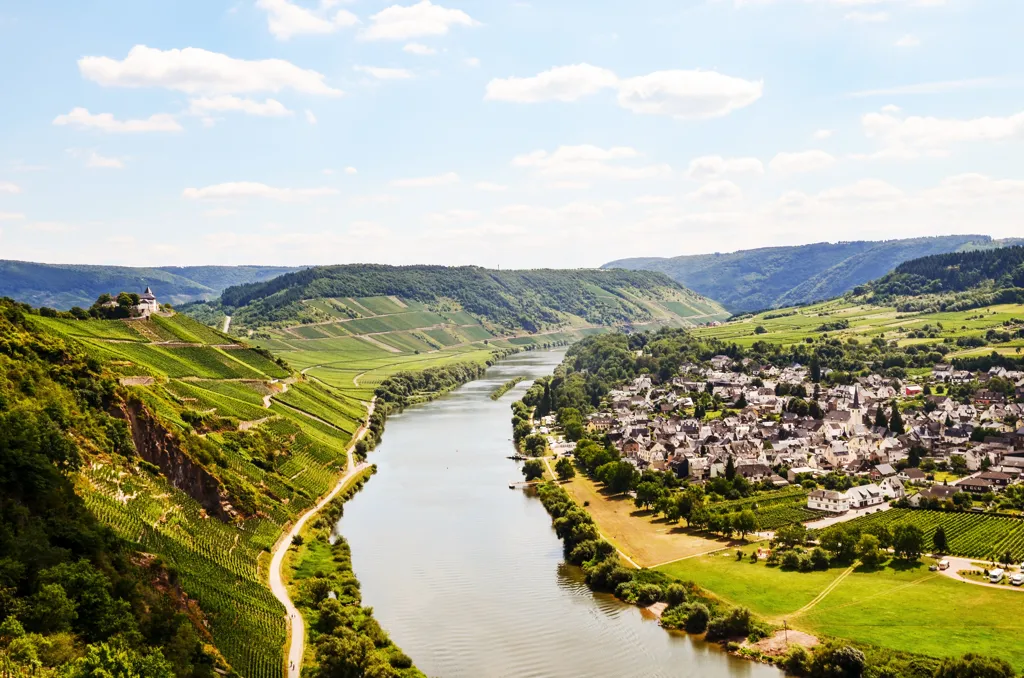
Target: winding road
{"points": [[297, 641]]}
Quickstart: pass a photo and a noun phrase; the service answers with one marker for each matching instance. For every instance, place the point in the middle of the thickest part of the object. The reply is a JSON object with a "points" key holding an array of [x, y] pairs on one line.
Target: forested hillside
{"points": [[508, 300], [73, 594], [62, 286], [772, 277], [957, 272]]}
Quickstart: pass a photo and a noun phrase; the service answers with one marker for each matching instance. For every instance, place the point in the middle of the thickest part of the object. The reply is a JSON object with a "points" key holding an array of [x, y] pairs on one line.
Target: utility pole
{"points": [[785, 631]]}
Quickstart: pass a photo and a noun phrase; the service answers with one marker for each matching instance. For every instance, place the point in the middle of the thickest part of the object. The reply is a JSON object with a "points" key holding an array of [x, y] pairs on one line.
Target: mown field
{"points": [[794, 325], [903, 608]]}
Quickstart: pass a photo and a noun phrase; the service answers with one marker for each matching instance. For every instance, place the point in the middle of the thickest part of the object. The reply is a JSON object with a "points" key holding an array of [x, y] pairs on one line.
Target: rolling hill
{"points": [[501, 301], [62, 286], [772, 277]]}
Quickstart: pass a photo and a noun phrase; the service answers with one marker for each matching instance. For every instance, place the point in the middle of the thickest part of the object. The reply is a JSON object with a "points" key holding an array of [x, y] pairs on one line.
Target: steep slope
{"points": [[503, 300], [771, 277], [62, 286]]}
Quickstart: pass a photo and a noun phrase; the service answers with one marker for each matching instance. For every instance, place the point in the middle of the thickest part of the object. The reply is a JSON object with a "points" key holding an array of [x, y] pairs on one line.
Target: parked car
{"points": [[943, 564], [1017, 579], [996, 576]]}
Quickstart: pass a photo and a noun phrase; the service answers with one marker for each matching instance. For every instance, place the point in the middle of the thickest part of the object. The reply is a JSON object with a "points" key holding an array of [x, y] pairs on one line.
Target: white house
{"points": [[147, 304], [863, 496], [828, 500]]}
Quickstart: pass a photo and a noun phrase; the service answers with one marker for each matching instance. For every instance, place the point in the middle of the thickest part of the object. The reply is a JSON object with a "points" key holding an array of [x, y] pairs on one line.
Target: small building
{"points": [[828, 500], [882, 471], [977, 485], [864, 496], [913, 390], [915, 476], [147, 304]]}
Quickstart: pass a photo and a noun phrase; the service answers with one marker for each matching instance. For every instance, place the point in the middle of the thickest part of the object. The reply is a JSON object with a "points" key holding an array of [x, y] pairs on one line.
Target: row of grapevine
{"points": [[973, 535]]}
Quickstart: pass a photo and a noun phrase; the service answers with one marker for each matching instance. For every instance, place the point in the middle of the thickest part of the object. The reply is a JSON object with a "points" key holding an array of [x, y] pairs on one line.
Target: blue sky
{"points": [[513, 134]]}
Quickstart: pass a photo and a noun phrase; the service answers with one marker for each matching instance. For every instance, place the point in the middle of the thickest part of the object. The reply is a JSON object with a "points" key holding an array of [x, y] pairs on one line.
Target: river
{"points": [[467, 575]]}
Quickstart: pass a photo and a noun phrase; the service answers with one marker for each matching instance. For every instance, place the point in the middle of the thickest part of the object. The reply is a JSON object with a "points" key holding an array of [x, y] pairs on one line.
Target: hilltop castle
{"points": [[147, 304]]}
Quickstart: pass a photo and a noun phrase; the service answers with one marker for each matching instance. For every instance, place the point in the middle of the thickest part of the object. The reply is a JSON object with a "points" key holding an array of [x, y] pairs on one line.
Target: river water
{"points": [[467, 575]]}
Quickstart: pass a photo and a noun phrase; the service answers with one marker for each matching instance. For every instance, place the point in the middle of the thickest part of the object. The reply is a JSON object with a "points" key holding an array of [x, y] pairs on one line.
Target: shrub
{"points": [[738, 622], [797, 661], [697, 618], [675, 595]]}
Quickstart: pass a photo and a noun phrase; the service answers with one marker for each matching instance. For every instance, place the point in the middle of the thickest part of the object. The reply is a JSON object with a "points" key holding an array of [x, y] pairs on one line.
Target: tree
{"points": [[868, 550], [939, 544], [975, 666], [647, 494], [118, 660], [618, 476], [837, 661], [815, 369], [896, 420], [958, 464], [914, 457], [346, 654], [565, 469], [794, 534], [533, 469], [745, 523], [839, 542], [730, 469], [880, 419], [908, 542]]}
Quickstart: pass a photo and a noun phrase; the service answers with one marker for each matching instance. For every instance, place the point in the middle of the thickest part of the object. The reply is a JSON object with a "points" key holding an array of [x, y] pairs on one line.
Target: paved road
{"points": [[958, 564], [297, 642], [849, 515]]}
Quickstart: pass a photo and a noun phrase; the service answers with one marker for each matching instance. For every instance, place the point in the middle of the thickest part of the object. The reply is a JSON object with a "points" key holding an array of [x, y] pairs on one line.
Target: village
{"points": [[777, 428]]}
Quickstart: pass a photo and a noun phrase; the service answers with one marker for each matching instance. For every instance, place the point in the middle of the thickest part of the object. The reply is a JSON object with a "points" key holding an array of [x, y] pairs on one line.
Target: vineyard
{"points": [[773, 509], [972, 535]]}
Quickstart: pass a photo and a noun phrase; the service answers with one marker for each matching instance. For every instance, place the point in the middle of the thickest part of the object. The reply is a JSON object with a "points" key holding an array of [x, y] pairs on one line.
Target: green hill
{"points": [[62, 286], [772, 277], [505, 301]]}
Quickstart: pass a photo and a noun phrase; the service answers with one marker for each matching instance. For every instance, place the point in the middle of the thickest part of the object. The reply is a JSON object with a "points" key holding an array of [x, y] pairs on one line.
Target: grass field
{"points": [[793, 325], [908, 609], [645, 540]]}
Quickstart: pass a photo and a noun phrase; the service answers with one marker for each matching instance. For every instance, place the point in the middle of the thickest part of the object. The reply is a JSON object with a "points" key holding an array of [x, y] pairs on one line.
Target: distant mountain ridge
{"points": [[977, 271], [772, 277], [62, 286], [512, 300]]}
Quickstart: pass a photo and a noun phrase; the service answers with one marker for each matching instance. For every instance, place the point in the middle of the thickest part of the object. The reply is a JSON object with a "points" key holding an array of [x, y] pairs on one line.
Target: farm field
{"points": [[972, 535], [908, 609], [773, 509], [793, 325]]}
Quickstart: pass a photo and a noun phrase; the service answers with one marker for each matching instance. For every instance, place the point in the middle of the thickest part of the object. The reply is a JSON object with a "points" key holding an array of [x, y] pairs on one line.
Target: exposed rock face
{"points": [[160, 447]]}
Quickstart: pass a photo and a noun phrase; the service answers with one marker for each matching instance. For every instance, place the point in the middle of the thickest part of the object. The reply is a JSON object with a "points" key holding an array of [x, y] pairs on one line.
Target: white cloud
{"points": [[688, 95], [453, 216], [417, 48], [489, 186], [891, 108], [863, 190], [908, 40], [654, 200], [714, 166], [224, 103], [564, 83], [197, 71], [8, 187], [589, 161], [286, 20], [720, 190], [867, 17], [424, 18], [423, 182], [83, 119], [804, 161], [97, 161], [351, 170], [682, 94], [472, 62], [823, 134], [250, 189], [11, 216], [385, 73], [310, 117], [914, 132]]}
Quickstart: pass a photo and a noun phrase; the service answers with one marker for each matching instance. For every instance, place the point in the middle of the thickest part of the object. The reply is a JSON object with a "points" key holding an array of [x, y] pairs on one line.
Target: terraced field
{"points": [[793, 325]]}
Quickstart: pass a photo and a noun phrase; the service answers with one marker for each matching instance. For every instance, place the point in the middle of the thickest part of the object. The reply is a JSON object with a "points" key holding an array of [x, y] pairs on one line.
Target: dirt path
{"points": [[297, 638], [827, 590], [227, 324]]}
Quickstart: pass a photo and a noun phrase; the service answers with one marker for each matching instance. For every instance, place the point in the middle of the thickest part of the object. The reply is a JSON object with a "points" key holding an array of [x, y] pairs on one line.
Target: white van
{"points": [[996, 576], [1017, 579], [943, 564]]}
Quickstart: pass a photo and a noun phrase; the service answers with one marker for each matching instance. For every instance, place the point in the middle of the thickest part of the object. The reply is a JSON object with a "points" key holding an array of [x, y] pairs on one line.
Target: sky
{"points": [[513, 134]]}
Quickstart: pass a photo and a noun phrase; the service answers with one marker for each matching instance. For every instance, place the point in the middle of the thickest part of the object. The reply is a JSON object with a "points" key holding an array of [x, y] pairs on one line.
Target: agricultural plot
{"points": [[972, 535], [773, 509], [114, 330]]}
